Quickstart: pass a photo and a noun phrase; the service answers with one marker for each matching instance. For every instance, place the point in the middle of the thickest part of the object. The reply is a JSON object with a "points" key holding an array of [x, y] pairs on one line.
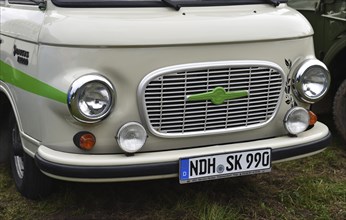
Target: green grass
{"points": [[309, 188]]}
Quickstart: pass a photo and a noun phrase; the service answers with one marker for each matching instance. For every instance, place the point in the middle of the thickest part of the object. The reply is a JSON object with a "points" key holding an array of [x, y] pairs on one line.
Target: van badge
{"points": [[218, 95], [22, 55]]}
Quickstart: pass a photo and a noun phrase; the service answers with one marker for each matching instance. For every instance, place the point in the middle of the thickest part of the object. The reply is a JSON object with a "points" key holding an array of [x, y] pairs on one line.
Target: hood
{"points": [[164, 26]]}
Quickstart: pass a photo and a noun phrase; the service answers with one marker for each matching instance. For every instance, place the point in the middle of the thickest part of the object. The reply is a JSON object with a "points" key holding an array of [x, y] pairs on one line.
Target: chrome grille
{"points": [[169, 113]]}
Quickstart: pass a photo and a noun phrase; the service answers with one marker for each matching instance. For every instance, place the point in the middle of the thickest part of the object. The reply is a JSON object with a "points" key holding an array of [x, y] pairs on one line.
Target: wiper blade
{"points": [[35, 1], [274, 2], [42, 4], [172, 4]]}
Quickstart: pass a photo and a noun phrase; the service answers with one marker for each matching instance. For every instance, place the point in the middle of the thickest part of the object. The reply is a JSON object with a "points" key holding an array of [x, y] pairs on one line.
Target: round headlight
{"points": [[91, 98], [131, 137], [296, 120], [311, 81]]}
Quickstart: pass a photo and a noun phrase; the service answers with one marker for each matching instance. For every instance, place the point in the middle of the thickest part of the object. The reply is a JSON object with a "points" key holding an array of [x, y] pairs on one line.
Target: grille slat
{"points": [[201, 110], [177, 86], [234, 72], [169, 112], [191, 121], [258, 96], [215, 127], [215, 79]]}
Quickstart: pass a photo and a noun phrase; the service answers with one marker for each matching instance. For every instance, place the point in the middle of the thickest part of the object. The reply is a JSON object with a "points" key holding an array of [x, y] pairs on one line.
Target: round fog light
{"points": [[297, 120], [131, 137]]}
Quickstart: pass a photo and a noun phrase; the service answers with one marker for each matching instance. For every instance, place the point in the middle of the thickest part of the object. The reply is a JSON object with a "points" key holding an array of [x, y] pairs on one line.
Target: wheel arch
{"points": [[337, 49], [8, 105], [5, 111], [335, 60], [336, 52]]}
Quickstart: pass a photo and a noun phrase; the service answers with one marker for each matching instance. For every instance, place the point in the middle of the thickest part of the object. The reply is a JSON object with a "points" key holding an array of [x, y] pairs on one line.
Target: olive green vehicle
{"points": [[328, 19]]}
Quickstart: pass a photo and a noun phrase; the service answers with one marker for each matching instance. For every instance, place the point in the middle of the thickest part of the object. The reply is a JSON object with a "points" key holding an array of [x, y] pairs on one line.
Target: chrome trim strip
{"points": [[197, 66]]}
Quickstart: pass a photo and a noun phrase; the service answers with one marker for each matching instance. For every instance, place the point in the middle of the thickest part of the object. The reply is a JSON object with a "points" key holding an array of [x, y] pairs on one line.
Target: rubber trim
{"points": [[287, 152], [106, 171], [157, 3], [154, 169]]}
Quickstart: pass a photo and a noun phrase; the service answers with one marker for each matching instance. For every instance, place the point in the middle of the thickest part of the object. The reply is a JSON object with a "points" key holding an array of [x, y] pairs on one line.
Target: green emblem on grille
{"points": [[218, 95]]}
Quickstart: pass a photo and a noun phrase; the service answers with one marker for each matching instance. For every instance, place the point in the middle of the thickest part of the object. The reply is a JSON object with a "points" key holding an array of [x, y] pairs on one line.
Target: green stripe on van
{"points": [[28, 83]]}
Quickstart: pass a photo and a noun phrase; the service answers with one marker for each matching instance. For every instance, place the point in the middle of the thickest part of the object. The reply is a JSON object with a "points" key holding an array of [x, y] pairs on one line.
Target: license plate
{"points": [[224, 165]]}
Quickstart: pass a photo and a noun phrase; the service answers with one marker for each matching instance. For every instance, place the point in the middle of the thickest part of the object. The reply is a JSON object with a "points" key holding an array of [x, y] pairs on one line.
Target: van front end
{"points": [[196, 93]]}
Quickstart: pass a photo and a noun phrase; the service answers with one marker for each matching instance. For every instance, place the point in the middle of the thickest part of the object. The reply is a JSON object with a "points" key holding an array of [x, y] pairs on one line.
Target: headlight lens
{"points": [[311, 81], [131, 137], [297, 120], [91, 98]]}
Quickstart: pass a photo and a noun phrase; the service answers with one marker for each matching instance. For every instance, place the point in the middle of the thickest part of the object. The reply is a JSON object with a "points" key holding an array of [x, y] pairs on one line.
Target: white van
{"points": [[127, 90]]}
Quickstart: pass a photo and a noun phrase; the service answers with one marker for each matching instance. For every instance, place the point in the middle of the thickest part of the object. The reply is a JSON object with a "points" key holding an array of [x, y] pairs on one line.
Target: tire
{"points": [[339, 110], [29, 180], [4, 144]]}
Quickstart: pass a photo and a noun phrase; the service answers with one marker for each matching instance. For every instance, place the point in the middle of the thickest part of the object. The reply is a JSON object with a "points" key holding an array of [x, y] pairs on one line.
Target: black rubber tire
{"points": [[4, 144], [30, 181], [339, 110]]}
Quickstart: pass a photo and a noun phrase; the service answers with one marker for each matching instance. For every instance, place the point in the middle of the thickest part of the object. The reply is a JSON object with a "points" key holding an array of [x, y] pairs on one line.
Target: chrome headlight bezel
{"points": [[298, 83], [78, 87]]}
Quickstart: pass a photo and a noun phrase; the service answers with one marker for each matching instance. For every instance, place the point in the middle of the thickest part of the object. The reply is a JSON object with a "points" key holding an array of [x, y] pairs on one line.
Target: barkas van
{"points": [[108, 90]]}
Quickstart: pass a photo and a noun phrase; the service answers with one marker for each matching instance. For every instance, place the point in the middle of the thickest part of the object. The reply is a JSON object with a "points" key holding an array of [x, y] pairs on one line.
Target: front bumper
{"points": [[163, 164]]}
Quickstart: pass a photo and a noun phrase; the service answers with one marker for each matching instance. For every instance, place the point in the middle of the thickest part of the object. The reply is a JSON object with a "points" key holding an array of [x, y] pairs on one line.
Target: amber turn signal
{"points": [[313, 118], [84, 140]]}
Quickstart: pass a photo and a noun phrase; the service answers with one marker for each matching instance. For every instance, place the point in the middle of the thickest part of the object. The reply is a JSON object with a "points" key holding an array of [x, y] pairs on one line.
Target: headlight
{"points": [[311, 81], [91, 98], [297, 120], [131, 137]]}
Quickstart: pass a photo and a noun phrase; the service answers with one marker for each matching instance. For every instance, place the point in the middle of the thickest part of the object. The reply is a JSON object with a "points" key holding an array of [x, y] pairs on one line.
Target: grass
{"points": [[310, 188]]}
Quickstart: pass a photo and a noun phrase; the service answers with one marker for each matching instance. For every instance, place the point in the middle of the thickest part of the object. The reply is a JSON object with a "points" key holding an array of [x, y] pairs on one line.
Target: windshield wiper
{"points": [[42, 4], [172, 4], [177, 6], [274, 2]]}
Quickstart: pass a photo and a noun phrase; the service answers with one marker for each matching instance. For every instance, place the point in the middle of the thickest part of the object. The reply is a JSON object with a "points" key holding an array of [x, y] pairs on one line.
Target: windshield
{"points": [[176, 4]]}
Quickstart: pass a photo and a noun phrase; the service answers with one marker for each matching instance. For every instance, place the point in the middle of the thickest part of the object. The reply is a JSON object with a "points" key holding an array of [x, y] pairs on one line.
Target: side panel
{"points": [[20, 27]]}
